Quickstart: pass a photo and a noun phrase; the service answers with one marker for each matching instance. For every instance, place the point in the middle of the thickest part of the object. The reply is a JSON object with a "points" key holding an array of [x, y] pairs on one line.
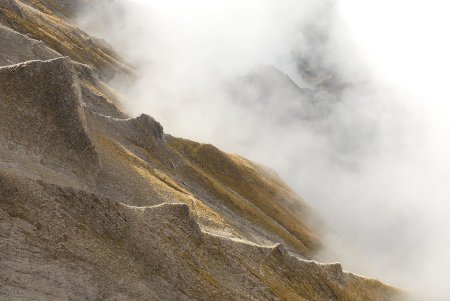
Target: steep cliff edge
{"points": [[95, 205]]}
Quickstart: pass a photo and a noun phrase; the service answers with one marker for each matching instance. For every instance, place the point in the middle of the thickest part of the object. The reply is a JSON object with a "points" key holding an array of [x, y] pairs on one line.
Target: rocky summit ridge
{"points": [[95, 205]]}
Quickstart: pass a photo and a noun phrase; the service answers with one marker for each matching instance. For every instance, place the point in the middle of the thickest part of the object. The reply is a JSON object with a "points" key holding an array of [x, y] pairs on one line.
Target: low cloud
{"points": [[346, 99]]}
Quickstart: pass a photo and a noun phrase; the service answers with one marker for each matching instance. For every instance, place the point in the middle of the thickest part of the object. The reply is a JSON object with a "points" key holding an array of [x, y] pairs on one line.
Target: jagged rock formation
{"points": [[95, 205], [48, 120]]}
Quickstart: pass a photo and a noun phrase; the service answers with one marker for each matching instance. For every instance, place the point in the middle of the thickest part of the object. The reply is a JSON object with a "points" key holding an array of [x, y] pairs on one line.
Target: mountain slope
{"points": [[95, 205], [62, 37]]}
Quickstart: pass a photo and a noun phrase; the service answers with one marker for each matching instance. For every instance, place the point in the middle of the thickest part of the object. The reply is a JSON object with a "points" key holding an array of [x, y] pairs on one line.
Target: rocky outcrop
{"points": [[147, 127], [41, 111]]}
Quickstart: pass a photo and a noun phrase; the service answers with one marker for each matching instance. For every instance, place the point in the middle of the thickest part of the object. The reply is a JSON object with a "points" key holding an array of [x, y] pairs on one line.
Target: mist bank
{"points": [[346, 100]]}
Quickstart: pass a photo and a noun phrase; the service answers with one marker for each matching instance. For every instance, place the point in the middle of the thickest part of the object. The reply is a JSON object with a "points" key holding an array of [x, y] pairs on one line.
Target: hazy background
{"points": [[347, 100]]}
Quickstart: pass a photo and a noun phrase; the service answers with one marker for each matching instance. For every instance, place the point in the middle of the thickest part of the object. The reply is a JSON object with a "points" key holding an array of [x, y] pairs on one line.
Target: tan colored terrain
{"points": [[95, 205]]}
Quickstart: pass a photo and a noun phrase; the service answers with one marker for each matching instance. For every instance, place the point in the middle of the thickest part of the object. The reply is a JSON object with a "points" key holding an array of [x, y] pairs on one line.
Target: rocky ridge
{"points": [[95, 205]]}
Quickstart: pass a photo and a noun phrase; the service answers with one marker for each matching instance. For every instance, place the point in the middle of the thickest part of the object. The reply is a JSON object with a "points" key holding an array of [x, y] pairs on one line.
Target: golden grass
{"points": [[50, 7], [258, 196], [64, 38], [161, 181]]}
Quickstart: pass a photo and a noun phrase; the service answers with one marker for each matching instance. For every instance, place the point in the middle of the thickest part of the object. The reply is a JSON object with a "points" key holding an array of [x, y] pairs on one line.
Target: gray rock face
{"points": [[148, 128], [48, 119], [16, 48]]}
